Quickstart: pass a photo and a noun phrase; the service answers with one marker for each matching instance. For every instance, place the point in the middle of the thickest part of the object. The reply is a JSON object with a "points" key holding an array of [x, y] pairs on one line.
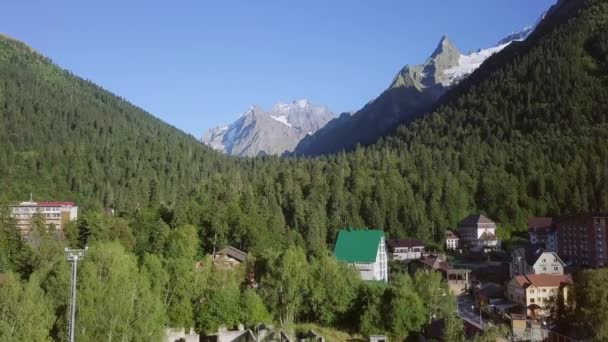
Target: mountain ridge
{"points": [[414, 90], [275, 132]]}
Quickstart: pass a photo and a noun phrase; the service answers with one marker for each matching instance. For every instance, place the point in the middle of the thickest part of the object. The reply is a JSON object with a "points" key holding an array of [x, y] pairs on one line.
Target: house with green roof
{"points": [[366, 250]]}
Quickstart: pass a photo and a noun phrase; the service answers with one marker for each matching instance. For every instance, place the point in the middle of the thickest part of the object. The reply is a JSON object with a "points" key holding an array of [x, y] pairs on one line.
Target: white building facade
{"points": [[56, 214]]}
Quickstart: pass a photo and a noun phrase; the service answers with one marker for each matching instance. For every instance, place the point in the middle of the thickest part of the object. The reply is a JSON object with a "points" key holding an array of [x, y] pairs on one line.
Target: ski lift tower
{"points": [[73, 255]]}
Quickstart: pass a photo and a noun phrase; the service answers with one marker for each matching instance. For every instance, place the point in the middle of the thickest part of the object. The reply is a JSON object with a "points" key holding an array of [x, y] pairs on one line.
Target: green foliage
{"points": [[406, 309], [333, 288], [285, 285], [592, 303], [520, 137], [26, 314], [220, 305], [525, 135], [115, 299], [254, 311], [435, 294], [370, 309]]}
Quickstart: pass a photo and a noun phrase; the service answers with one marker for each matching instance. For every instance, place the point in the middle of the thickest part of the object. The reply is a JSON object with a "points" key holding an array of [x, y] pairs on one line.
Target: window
{"points": [[544, 290], [531, 300], [555, 268]]}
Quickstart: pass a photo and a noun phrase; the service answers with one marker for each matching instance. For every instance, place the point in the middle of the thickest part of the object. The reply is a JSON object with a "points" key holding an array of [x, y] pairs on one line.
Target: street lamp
{"points": [[543, 329], [73, 255]]}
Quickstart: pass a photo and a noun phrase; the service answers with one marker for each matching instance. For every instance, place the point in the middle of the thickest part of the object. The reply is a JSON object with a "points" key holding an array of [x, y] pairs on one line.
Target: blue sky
{"points": [[198, 64]]}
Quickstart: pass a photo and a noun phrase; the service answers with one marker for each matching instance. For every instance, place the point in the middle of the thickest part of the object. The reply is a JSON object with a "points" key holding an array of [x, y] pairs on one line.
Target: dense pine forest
{"points": [[525, 135]]}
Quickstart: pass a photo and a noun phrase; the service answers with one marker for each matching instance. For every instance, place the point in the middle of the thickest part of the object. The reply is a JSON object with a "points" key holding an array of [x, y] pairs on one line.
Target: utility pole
{"points": [[73, 255]]}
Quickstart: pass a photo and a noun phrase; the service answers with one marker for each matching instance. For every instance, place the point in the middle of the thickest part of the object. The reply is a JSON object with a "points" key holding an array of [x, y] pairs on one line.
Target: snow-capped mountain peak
{"points": [[274, 132], [470, 62]]}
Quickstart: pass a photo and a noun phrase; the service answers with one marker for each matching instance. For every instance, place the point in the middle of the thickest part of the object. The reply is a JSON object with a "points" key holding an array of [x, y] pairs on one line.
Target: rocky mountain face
{"points": [[275, 132], [415, 89]]}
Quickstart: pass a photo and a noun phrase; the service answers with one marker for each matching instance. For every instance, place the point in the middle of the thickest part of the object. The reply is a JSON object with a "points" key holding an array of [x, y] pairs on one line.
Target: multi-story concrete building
{"points": [[405, 249], [56, 214], [582, 240], [478, 232], [366, 250], [452, 241], [534, 291], [533, 259], [542, 231]]}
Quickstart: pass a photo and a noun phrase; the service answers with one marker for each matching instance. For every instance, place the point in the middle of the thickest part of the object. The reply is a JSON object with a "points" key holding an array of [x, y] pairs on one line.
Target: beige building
{"points": [[229, 256], [534, 291], [57, 214]]}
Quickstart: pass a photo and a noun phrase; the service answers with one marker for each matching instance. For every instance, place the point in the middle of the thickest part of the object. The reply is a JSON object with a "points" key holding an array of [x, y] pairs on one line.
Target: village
{"points": [[518, 287]]}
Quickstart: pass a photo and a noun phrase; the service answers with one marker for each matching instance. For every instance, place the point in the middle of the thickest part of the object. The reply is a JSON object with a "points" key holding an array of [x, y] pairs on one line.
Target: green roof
{"points": [[359, 245]]}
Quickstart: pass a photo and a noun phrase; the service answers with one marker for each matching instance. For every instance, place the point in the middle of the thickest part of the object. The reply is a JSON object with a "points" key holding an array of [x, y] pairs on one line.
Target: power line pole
{"points": [[73, 255]]}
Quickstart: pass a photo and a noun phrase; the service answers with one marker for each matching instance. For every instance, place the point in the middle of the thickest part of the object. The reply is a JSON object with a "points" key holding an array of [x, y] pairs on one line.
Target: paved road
{"points": [[468, 313]]}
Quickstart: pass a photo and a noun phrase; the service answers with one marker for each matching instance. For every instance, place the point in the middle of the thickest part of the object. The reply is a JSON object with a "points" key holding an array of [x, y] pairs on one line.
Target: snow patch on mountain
{"points": [[282, 119], [274, 132], [469, 63]]}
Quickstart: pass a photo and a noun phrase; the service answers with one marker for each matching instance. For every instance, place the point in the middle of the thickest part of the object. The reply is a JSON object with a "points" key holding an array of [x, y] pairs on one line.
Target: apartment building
{"points": [[582, 240], [56, 214]]}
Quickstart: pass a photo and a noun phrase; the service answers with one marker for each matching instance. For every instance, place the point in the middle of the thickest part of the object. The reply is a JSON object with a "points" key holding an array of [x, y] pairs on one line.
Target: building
{"points": [[405, 249], [534, 291], [478, 232], [487, 294], [181, 335], [533, 259], [229, 256], [56, 214], [582, 240], [225, 335], [542, 231], [366, 250], [459, 280], [452, 241]]}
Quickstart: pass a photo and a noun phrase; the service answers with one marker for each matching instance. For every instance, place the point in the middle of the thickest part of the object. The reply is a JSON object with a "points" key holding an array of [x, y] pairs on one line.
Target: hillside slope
{"points": [[413, 91], [62, 137], [524, 135]]}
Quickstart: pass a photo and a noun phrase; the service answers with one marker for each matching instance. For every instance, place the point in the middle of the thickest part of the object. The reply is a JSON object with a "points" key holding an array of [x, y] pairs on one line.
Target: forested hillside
{"points": [[524, 136], [64, 137]]}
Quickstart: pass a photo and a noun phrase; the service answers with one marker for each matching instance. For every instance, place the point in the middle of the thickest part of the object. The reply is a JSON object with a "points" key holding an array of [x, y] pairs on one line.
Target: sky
{"points": [[202, 63]]}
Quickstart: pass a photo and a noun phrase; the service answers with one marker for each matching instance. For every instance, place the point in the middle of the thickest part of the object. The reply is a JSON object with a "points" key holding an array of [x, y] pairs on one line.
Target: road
{"points": [[466, 312]]}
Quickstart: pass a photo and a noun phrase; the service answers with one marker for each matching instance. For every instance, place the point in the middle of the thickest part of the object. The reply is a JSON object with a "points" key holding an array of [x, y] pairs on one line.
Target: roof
{"points": [[450, 235], [358, 245], [540, 222], [234, 253], [435, 263], [397, 243], [532, 252], [542, 280], [473, 220], [491, 290], [45, 204]]}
